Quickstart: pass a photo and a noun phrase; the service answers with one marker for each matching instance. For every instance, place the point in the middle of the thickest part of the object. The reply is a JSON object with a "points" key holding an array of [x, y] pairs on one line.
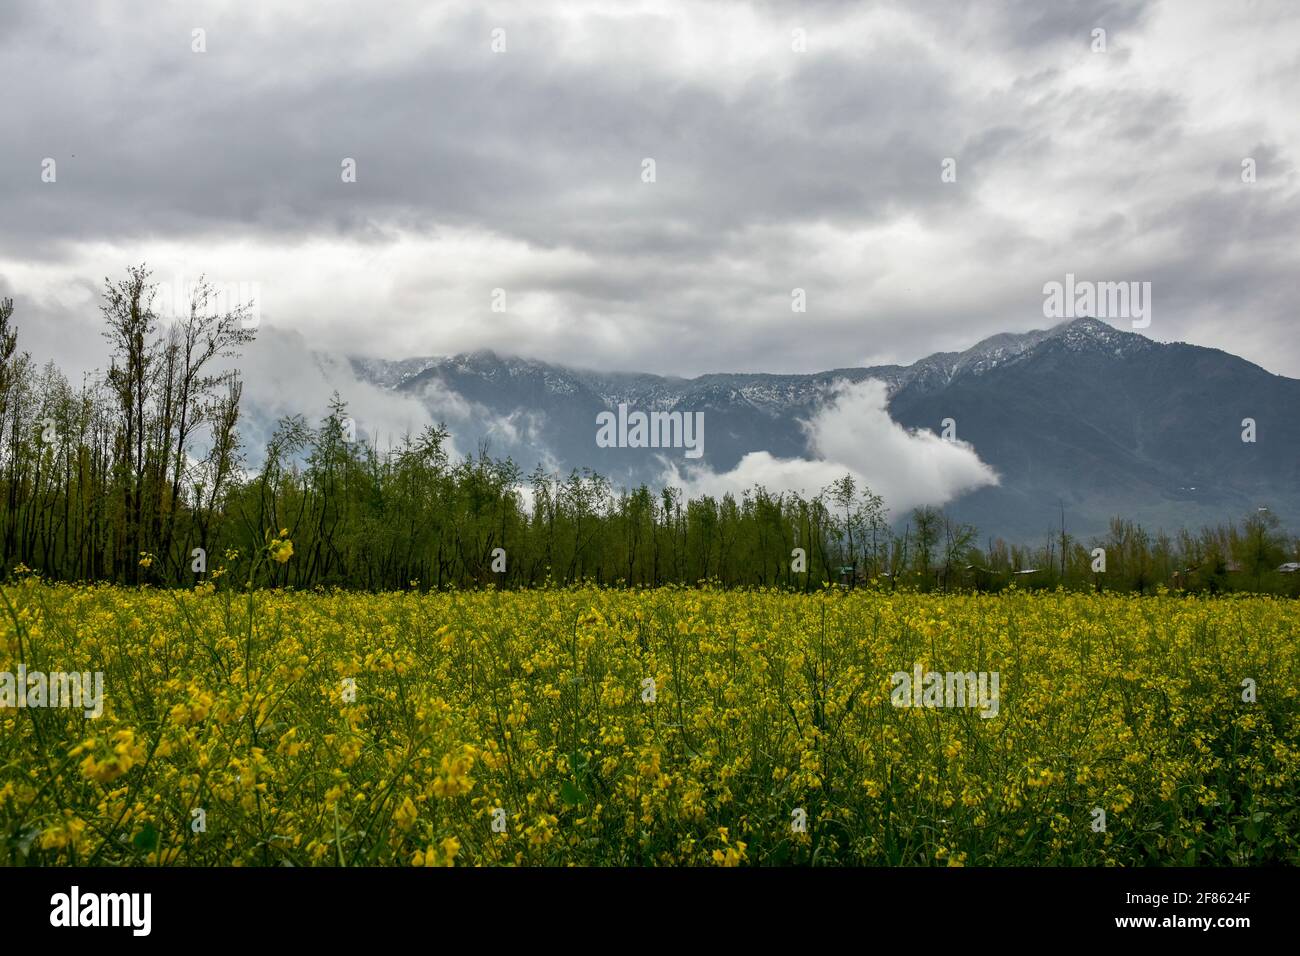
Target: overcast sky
{"points": [[775, 168]]}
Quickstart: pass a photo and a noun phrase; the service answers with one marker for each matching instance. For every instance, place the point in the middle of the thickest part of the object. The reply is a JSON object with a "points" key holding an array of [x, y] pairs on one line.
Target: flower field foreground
{"points": [[654, 727]]}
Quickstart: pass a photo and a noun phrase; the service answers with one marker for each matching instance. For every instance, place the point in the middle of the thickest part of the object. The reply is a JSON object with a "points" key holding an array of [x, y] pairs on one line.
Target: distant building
{"points": [[1291, 567]]}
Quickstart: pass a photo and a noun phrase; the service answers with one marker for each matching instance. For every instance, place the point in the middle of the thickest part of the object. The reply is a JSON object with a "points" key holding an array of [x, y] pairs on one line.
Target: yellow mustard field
{"points": [[652, 727]]}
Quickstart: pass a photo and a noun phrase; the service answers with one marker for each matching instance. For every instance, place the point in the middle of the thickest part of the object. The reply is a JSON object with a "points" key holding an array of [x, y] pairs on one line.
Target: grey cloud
{"points": [[768, 169], [1025, 24]]}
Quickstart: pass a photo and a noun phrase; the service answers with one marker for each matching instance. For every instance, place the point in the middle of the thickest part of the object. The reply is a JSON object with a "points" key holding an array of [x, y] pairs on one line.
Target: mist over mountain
{"points": [[1084, 415]]}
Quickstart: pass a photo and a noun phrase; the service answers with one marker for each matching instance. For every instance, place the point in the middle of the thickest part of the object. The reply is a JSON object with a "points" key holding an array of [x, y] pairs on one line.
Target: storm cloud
{"points": [[796, 146]]}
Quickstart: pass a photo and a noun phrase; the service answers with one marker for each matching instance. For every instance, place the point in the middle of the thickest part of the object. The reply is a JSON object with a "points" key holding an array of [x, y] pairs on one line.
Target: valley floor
{"points": [[651, 727]]}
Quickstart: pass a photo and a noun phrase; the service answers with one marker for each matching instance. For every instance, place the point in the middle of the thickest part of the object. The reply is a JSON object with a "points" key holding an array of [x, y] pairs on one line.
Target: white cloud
{"points": [[853, 433], [283, 376]]}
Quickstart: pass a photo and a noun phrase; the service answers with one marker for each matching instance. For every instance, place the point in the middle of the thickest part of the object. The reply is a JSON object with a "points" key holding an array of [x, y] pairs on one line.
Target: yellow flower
{"points": [[730, 856], [406, 814], [430, 856], [450, 847], [67, 832], [480, 701], [106, 767]]}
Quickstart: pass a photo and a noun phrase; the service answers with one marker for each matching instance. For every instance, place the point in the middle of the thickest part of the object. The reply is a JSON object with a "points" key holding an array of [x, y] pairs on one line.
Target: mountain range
{"points": [[1081, 416]]}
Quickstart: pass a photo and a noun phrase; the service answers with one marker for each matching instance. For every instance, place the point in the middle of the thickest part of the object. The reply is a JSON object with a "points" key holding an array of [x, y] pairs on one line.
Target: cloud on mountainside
{"points": [[853, 433], [850, 433], [283, 376]]}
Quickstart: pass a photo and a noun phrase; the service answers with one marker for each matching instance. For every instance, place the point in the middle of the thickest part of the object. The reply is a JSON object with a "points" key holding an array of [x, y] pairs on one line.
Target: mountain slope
{"points": [[1104, 421]]}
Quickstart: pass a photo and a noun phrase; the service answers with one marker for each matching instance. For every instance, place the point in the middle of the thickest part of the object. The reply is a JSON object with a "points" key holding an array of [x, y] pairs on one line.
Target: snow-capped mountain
{"points": [[1104, 420]]}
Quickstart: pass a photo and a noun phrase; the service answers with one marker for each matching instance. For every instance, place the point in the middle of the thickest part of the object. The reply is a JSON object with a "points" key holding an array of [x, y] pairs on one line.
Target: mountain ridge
{"points": [[1102, 420]]}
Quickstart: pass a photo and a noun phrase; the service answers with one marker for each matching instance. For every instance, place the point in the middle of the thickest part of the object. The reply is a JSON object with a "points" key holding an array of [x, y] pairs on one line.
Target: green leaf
{"points": [[570, 793], [146, 839]]}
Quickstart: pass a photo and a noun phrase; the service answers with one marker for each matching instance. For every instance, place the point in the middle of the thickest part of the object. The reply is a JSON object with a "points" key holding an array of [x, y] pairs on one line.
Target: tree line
{"points": [[138, 476]]}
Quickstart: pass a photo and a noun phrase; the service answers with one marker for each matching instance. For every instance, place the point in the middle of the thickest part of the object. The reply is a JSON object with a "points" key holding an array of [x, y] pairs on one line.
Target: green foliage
{"points": [[130, 478]]}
